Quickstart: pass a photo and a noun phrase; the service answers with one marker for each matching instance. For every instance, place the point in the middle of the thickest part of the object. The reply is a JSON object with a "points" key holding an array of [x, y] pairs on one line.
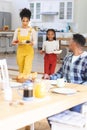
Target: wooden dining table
{"points": [[17, 113]]}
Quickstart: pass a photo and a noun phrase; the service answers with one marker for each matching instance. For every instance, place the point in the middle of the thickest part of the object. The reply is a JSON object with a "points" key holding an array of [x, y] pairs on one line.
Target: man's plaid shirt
{"points": [[75, 72]]}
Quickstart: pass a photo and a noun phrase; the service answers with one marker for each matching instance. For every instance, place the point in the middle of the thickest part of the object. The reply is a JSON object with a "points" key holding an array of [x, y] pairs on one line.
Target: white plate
{"points": [[57, 52], [64, 90], [15, 84], [22, 43]]}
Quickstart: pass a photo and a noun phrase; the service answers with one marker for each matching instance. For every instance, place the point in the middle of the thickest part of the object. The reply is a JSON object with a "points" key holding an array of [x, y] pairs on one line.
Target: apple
{"points": [[16, 41]]}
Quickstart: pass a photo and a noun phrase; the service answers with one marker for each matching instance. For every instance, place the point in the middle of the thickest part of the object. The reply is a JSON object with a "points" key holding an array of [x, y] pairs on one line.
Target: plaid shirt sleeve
{"points": [[58, 74], [85, 73]]}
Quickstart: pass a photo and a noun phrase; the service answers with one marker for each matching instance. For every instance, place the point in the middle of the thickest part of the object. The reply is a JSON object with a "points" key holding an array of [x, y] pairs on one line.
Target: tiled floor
{"points": [[38, 62], [12, 64]]}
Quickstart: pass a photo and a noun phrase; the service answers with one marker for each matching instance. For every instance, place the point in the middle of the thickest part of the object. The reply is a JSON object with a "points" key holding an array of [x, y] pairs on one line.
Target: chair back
{"points": [[4, 76]]}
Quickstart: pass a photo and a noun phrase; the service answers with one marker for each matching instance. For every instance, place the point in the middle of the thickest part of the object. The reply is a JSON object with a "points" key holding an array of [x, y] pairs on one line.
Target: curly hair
{"points": [[25, 13]]}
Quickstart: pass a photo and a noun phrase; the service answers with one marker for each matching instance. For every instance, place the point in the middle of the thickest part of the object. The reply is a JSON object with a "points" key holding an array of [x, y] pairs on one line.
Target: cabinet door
{"points": [[69, 10], [35, 9], [62, 10], [66, 11], [38, 8], [32, 10]]}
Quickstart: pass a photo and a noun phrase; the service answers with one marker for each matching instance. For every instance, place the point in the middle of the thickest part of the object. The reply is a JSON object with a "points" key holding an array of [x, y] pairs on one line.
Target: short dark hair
{"points": [[79, 39], [25, 13], [52, 31]]}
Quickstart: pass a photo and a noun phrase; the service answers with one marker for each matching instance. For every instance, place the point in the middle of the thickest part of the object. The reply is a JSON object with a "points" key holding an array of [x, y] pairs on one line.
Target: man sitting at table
{"points": [[74, 67]]}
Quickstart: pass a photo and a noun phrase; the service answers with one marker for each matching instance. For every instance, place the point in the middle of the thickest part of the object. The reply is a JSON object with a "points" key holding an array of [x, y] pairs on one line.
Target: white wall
{"points": [[5, 6], [80, 14], [17, 5]]}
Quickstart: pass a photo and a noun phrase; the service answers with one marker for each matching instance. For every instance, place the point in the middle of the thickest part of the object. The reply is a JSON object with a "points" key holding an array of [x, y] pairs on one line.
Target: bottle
{"points": [[39, 89], [7, 91], [67, 27], [8, 94]]}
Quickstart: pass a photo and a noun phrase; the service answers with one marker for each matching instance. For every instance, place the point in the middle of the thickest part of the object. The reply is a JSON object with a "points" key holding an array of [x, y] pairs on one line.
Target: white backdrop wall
{"points": [[17, 5], [80, 15]]}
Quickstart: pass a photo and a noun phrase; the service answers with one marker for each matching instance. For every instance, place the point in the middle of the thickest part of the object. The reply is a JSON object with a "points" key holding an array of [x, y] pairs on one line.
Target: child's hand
{"points": [[42, 52]]}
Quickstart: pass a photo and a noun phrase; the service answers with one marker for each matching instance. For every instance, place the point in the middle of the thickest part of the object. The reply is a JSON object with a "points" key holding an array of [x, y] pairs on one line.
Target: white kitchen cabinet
{"points": [[63, 7], [49, 6], [35, 8], [66, 10]]}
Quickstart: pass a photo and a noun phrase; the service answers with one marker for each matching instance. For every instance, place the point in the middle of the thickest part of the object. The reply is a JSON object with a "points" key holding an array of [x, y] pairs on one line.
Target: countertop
{"points": [[6, 32], [66, 39]]}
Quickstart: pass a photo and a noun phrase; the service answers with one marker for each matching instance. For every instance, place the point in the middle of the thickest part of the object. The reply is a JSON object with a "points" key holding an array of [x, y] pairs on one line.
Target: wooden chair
{"points": [[84, 112], [4, 76], [68, 120]]}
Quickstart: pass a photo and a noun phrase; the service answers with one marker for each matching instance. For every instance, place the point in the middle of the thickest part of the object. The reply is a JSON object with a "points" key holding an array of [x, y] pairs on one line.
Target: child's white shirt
{"points": [[50, 46]]}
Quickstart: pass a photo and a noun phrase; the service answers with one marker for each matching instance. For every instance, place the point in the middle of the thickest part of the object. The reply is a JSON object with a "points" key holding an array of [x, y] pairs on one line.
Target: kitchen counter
{"points": [[5, 41], [7, 32], [66, 39], [63, 45]]}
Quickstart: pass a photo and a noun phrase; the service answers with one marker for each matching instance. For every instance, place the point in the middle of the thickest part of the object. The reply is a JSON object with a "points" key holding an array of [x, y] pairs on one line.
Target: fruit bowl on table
{"points": [[57, 51]]}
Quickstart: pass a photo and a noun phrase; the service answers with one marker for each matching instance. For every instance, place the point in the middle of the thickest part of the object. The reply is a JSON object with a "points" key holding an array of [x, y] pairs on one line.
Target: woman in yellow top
{"points": [[25, 38]]}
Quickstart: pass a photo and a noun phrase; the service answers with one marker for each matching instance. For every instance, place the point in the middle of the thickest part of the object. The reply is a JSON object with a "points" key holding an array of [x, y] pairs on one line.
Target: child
{"points": [[25, 38], [50, 59]]}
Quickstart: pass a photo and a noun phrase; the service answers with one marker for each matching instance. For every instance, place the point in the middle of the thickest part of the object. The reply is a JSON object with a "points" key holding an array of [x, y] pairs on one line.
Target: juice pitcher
{"points": [[39, 89]]}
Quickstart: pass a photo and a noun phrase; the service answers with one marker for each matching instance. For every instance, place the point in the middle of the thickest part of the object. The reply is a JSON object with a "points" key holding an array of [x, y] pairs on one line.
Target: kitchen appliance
{"points": [[41, 39], [5, 20]]}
